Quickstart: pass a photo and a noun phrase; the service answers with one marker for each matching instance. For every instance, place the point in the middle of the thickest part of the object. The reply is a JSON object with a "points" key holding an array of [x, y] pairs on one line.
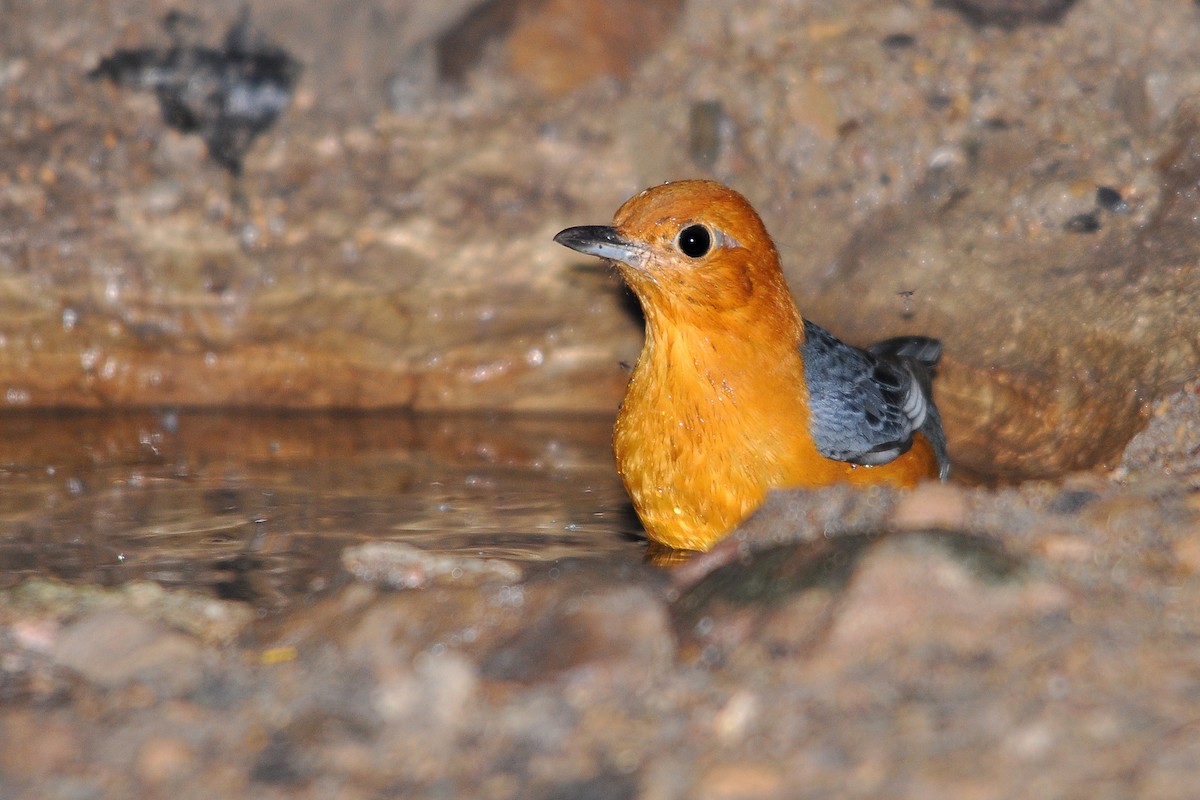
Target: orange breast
{"points": [[699, 449]]}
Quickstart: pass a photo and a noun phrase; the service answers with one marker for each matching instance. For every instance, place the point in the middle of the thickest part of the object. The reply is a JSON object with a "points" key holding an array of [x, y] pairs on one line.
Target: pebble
{"points": [[161, 759], [931, 506], [402, 566], [918, 587], [1065, 547], [564, 44], [618, 637], [745, 781], [733, 719], [114, 648], [37, 746], [435, 696], [1187, 552], [1083, 223]]}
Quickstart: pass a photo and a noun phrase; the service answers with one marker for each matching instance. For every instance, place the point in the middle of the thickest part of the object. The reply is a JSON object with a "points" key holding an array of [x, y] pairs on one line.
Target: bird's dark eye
{"points": [[695, 241]]}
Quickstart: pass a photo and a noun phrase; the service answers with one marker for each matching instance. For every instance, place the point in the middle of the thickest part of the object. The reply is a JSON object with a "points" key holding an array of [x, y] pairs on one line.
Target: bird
{"points": [[734, 393]]}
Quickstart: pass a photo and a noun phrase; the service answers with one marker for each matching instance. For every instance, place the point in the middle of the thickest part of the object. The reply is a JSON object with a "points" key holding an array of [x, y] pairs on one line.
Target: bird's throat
{"points": [[704, 429]]}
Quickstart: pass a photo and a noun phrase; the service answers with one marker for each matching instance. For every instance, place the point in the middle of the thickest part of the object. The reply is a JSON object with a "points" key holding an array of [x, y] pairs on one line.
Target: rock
{"points": [[1150, 96], [436, 696], [562, 44], [780, 596], [606, 786], [950, 591], [1170, 442], [745, 781], [163, 759], [360, 55], [44, 603], [38, 747], [279, 763], [931, 506], [611, 638], [856, 590], [1101, 295], [116, 648], [227, 94], [1187, 553], [735, 717], [399, 566]]}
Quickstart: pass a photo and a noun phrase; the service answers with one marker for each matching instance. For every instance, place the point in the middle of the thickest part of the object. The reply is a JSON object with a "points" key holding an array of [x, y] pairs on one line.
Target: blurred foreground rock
{"points": [[945, 643]]}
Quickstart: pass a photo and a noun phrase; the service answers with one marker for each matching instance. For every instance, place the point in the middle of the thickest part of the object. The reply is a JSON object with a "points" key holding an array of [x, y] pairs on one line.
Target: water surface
{"points": [[259, 506]]}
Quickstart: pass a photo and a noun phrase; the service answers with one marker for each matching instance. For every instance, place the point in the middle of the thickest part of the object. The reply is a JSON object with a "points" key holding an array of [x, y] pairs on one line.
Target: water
{"points": [[259, 507]]}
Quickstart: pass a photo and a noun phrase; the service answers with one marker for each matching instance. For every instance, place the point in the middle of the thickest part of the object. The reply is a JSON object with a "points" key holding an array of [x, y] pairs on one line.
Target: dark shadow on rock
{"points": [[228, 95], [1010, 13], [736, 602]]}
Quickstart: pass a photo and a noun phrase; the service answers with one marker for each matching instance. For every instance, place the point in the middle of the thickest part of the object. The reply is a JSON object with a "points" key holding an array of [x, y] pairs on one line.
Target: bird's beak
{"points": [[603, 241]]}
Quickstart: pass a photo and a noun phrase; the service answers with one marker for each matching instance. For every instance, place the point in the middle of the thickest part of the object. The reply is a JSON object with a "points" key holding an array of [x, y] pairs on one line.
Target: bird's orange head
{"points": [[694, 252]]}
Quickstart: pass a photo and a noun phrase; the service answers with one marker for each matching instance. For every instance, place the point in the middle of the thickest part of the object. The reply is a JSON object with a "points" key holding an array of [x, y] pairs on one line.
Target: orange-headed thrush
{"points": [[734, 393]]}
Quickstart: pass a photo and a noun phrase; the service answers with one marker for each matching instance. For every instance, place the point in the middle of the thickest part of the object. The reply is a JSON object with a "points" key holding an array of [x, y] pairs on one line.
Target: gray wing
{"points": [[867, 404]]}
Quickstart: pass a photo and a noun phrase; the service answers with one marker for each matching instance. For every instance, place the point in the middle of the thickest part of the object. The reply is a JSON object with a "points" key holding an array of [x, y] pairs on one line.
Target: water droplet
{"points": [[250, 235]]}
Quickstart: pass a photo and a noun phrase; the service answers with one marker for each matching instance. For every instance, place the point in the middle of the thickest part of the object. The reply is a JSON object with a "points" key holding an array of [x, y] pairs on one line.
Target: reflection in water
{"points": [[260, 506]]}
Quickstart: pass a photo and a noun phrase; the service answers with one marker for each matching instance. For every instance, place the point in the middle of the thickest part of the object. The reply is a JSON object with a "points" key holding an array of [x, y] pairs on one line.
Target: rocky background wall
{"points": [[1015, 178]]}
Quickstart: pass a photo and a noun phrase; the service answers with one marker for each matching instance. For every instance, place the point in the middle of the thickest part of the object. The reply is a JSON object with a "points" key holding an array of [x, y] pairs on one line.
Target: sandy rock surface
{"points": [[1019, 180]]}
